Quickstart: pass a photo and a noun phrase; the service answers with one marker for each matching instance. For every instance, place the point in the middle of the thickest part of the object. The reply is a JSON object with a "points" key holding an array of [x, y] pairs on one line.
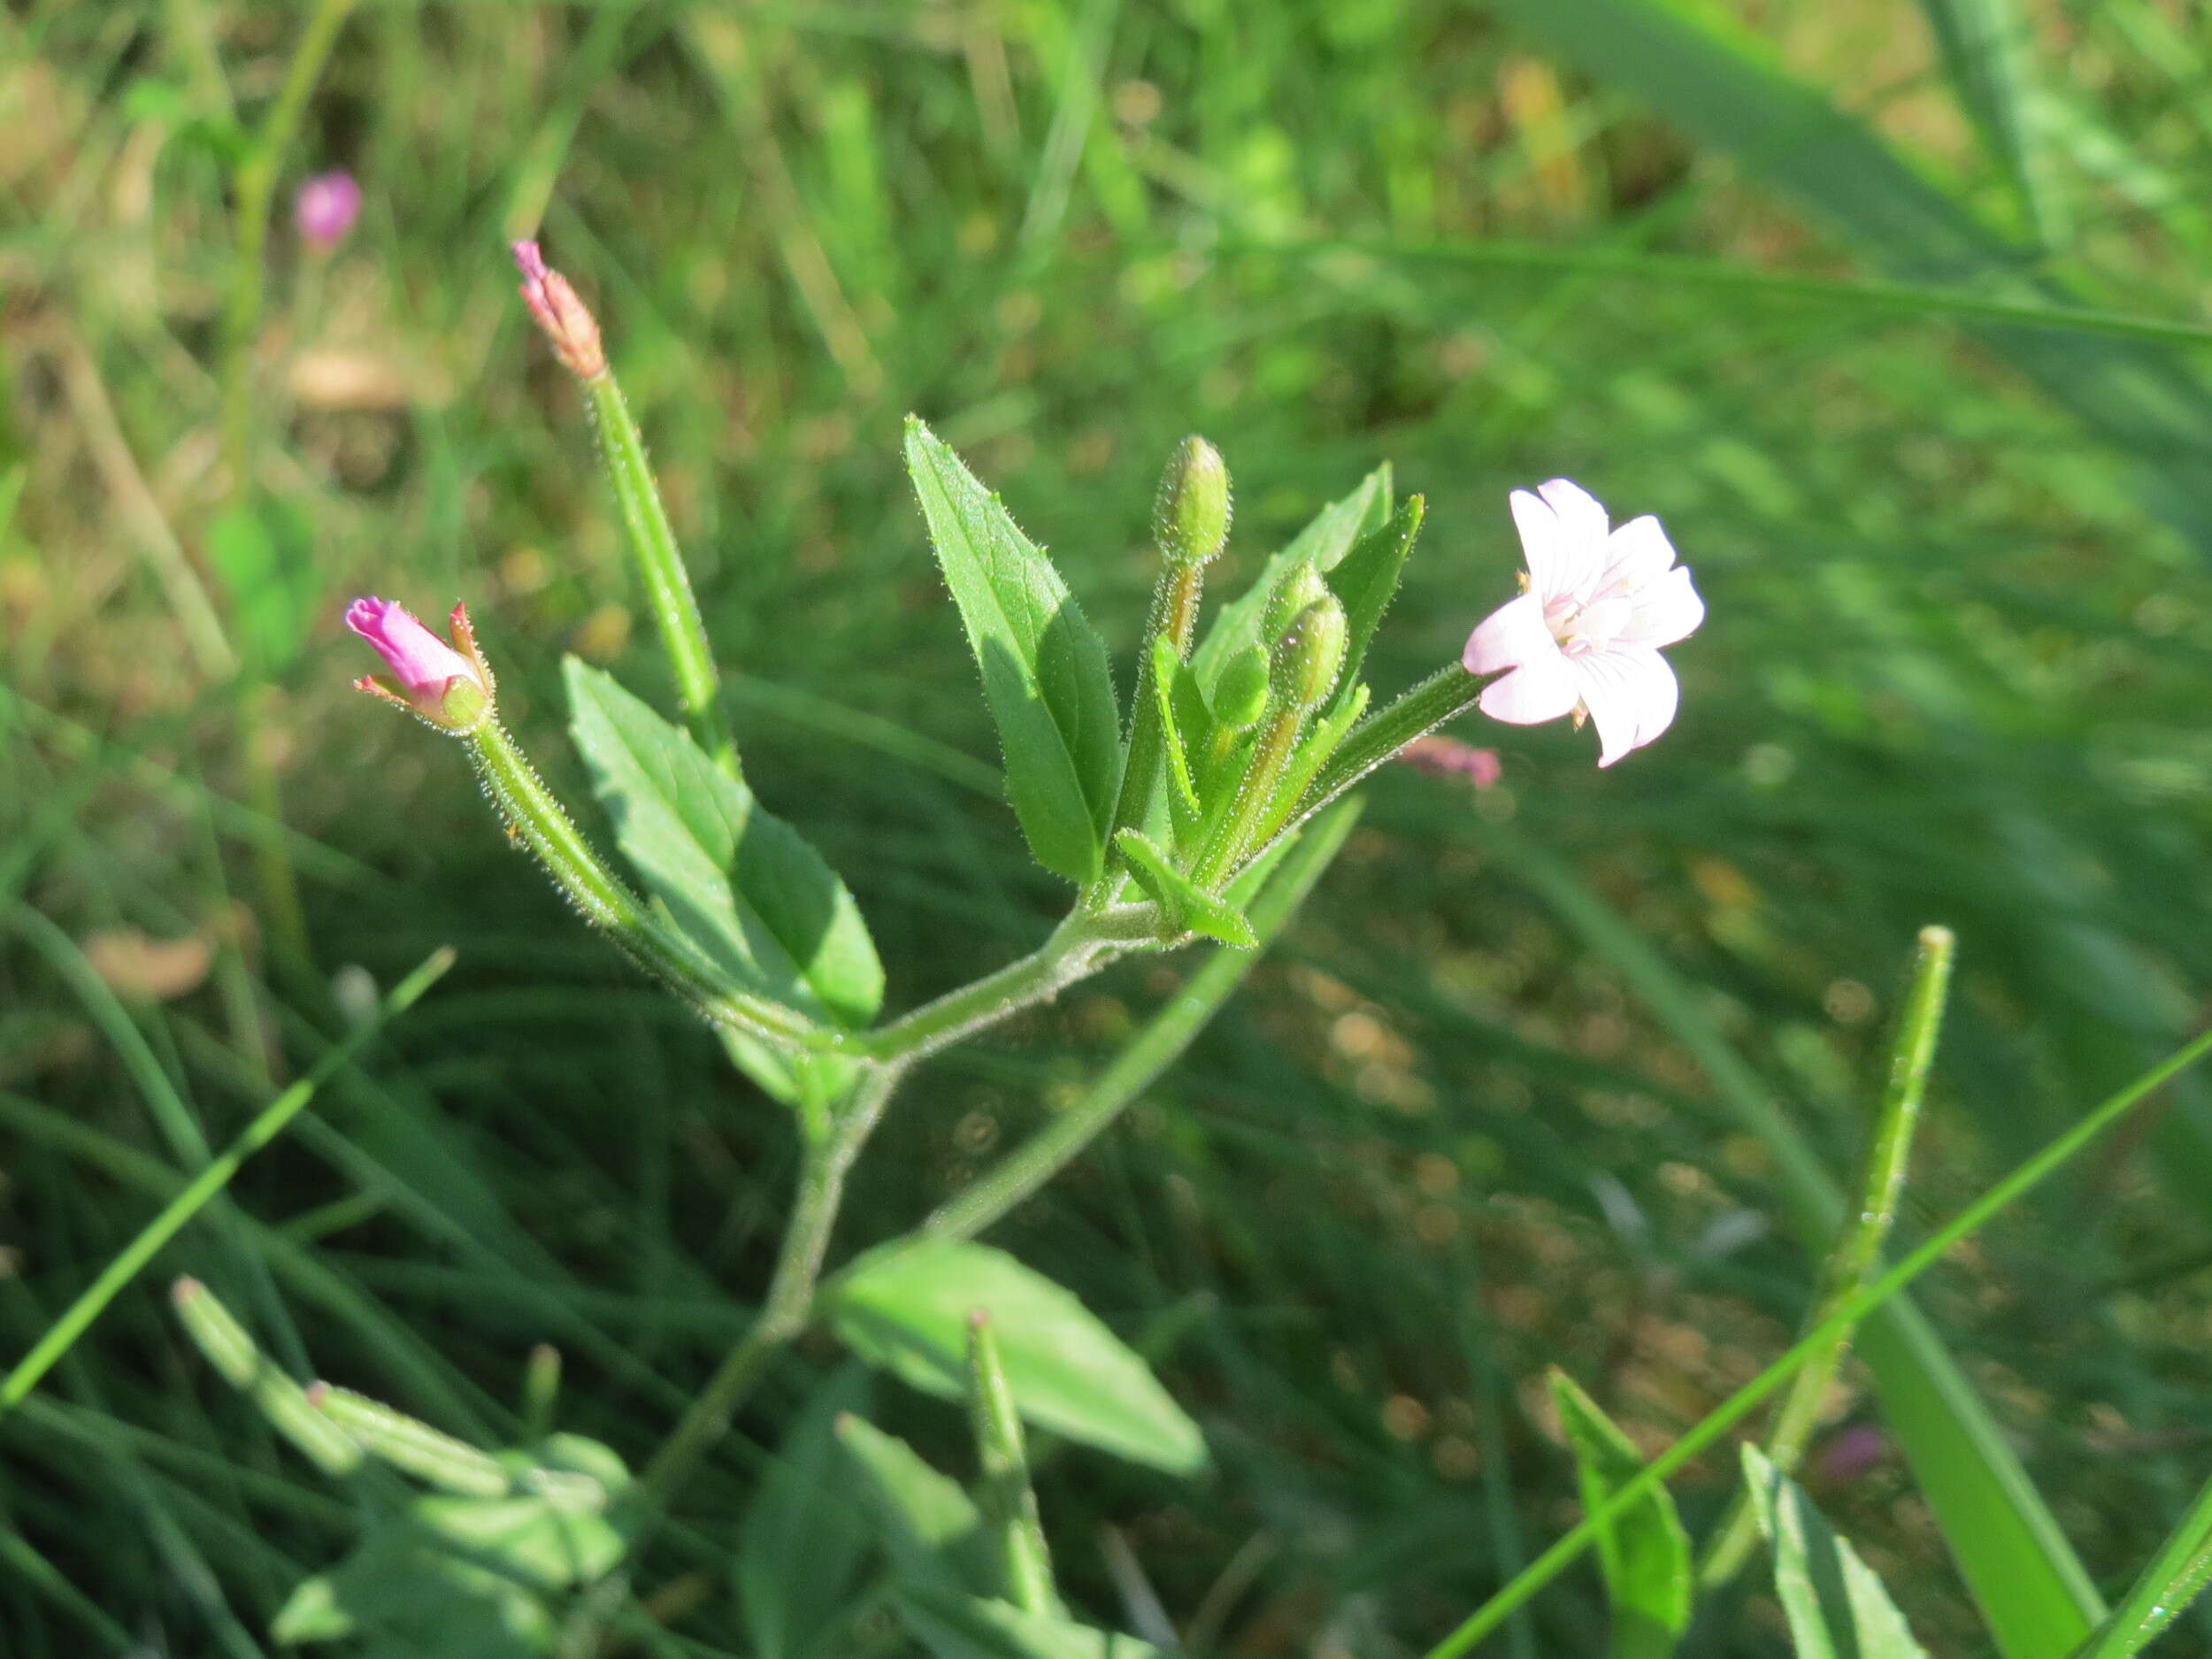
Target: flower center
{"points": [[1582, 628]]}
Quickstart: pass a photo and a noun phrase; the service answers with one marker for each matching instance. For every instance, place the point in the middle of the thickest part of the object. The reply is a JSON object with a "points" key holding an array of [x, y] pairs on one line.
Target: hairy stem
{"points": [[1161, 1042], [1079, 946], [1858, 1252], [824, 1164], [660, 567], [1174, 618], [539, 822], [1447, 691]]}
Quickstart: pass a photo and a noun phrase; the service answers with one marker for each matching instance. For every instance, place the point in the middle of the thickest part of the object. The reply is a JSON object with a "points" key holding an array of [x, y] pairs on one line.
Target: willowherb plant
{"points": [[1201, 813]]}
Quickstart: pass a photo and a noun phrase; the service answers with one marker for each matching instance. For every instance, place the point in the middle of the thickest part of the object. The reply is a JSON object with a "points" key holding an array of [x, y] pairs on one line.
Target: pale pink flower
{"points": [[325, 208], [447, 687], [1584, 637]]}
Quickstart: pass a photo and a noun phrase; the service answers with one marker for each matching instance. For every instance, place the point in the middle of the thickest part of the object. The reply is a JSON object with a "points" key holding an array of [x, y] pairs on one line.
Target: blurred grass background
{"points": [[1891, 312]]}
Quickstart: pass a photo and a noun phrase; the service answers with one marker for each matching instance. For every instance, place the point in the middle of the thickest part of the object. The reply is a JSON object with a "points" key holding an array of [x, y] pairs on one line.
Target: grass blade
{"points": [[1724, 86], [2024, 1179], [2023, 1574]]}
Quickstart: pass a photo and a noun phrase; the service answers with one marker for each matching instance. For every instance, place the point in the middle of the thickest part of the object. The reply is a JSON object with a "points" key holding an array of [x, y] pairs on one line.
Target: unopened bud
{"points": [[1190, 518], [1240, 695], [561, 317], [1309, 655], [1295, 589], [449, 687]]}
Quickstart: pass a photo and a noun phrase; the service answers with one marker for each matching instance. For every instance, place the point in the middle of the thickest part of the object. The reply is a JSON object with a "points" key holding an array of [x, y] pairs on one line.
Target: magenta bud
{"points": [[563, 318], [325, 208], [450, 689]]}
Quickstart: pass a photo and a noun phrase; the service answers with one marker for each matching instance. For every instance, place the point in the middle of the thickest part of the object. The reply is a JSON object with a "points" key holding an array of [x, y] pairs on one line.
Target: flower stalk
{"points": [[565, 321], [535, 819]]}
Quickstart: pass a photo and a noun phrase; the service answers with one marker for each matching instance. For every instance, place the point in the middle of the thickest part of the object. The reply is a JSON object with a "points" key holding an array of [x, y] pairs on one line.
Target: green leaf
{"points": [[1044, 668], [905, 1308], [402, 1593], [971, 1627], [931, 1529], [1186, 904], [1645, 1555], [1323, 543], [1836, 1607], [799, 1546], [1365, 580], [742, 883], [789, 1078]]}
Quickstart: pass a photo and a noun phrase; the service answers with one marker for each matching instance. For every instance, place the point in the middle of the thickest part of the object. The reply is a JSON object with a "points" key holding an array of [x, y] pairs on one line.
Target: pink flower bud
{"points": [[1448, 757], [560, 315], [325, 208], [450, 689]]}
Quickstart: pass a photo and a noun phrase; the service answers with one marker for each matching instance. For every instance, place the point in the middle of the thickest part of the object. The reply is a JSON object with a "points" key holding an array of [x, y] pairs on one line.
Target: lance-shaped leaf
{"points": [[1645, 1555], [1836, 1607], [929, 1526], [1044, 668], [742, 883], [906, 1307]]}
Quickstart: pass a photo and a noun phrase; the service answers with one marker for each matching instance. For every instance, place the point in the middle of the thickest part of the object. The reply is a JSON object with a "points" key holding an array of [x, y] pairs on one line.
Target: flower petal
{"points": [[1582, 530], [1542, 689], [424, 664], [1564, 555], [1637, 553], [1510, 635], [1666, 610], [1631, 696]]}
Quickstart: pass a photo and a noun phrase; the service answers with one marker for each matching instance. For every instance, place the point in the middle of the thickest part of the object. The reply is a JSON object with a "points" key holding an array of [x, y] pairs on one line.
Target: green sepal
{"points": [[1644, 1554], [1187, 907]]}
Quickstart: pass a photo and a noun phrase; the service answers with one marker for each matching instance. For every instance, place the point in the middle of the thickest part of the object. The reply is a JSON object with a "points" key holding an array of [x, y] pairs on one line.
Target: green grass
{"points": [[1960, 629]]}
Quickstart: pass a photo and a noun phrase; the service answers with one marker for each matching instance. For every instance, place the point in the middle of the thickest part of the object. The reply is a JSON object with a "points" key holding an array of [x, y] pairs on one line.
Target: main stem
{"points": [[1081, 945], [826, 1161]]}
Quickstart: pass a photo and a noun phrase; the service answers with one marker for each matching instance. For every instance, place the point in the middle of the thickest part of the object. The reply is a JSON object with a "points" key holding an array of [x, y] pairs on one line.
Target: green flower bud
{"points": [[1190, 517], [1309, 655], [1240, 696], [1295, 589]]}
